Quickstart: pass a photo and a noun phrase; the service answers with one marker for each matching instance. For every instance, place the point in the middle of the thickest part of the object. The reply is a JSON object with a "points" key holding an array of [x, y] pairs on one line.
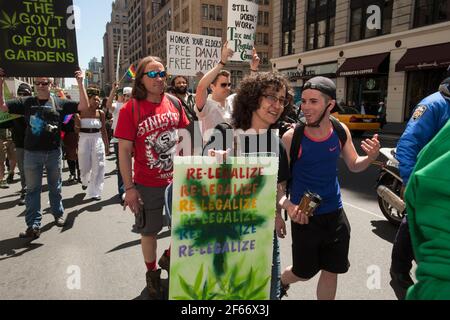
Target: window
{"points": [[266, 18], [212, 12], [205, 31], [218, 13], [320, 24], [288, 27], [260, 17], [359, 19], [428, 12], [205, 11], [177, 22], [185, 15], [219, 33], [266, 38], [264, 56]]}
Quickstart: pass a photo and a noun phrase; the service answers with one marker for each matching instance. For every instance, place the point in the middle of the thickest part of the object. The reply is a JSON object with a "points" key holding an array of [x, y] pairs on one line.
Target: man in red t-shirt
{"points": [[147, 128]]}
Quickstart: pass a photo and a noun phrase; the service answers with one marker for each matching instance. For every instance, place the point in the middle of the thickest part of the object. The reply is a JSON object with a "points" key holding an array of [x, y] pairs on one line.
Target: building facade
{"points": [[116, 36], [375, 50], [137, 32]]}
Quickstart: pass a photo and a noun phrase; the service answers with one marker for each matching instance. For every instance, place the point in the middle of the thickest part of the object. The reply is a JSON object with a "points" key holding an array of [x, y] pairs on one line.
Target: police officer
{"points": [[430, 115]]}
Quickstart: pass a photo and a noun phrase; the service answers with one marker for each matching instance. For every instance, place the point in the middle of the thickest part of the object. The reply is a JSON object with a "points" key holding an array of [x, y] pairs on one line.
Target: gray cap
{"points": [[322, 84]]}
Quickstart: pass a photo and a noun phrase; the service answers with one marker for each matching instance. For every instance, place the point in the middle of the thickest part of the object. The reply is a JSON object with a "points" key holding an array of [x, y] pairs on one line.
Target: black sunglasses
{"points": [[43, 83], [224, 85], [154, 74]]}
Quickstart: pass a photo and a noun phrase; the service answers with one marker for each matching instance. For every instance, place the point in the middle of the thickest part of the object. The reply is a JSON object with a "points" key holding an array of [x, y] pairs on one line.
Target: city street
{"points": [[97, 244]]}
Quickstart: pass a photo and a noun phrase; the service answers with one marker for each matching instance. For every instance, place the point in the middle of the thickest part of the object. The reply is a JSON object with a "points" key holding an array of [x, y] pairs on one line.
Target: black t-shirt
{"points": [[44, 119], [267, 143]]}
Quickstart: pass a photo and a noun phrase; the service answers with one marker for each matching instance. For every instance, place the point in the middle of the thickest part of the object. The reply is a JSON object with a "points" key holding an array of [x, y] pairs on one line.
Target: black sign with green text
{"points": [[37, 38]]}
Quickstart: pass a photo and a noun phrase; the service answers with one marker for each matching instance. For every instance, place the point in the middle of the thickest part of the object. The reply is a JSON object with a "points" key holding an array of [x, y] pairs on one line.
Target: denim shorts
{"points": [[150, 220]]}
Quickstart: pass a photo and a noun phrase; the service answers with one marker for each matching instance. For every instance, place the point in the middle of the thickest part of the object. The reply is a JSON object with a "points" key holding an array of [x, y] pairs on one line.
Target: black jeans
{"points": [[402, 251], [120, 187]]}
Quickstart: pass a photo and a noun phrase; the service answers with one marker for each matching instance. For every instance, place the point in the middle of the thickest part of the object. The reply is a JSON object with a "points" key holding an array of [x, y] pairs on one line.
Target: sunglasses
{"points": [[224, 85], [154, 74], [272, 99], [43, 83]]}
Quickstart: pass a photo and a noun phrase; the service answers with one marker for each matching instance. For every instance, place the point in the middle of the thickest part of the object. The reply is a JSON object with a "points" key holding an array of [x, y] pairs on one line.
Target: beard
{"points": [[180, 90]]}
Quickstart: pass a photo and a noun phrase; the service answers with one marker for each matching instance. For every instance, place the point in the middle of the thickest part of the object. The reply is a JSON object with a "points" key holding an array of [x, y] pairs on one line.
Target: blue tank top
{"points": [[316, 170]]}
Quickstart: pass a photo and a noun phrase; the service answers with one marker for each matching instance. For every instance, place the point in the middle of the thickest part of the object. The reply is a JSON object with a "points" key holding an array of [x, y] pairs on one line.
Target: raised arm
{"points": [[254, 63], [207, 79], [3, 106], [109, 102], [84, 100]]}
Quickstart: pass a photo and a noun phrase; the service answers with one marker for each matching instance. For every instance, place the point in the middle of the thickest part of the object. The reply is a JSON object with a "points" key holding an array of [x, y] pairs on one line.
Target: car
{"points": [[356, 122]]}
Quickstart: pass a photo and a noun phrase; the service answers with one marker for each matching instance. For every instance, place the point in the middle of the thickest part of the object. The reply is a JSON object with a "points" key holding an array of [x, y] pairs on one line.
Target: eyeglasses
{"points": [[272, 99], [154, 74], [224, 85], [41, 83]]}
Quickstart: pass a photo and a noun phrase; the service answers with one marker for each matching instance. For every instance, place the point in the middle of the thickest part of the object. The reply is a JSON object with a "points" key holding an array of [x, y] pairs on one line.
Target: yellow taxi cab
{"points": [[356, 122]]}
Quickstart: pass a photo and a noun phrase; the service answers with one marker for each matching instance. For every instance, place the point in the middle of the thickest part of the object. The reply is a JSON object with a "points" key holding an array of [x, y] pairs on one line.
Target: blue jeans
{"points": [[275, 282], [34, 163]]}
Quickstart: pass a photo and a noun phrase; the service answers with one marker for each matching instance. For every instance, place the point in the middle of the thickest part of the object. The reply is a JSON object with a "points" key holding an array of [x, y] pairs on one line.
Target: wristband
{"points": [[253, 70], [129, 188], [222, 63]]}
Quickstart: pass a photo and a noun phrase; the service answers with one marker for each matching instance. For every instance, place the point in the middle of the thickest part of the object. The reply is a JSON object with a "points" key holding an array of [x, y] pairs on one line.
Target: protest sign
{"points": [[241, 30], [188, 54], [5, 116], [38, 38], [222, 228]]}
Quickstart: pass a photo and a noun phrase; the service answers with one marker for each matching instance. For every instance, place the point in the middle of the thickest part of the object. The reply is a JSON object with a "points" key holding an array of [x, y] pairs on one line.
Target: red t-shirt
{"points": [[155, 138]]}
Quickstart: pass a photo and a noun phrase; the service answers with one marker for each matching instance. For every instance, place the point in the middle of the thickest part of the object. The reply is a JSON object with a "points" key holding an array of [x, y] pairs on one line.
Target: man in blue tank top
{"points": [[321, 242]]}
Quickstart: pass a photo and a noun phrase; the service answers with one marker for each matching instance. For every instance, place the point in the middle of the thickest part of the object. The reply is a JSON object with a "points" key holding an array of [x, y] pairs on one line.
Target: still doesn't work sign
{"points": [[38, 38]]}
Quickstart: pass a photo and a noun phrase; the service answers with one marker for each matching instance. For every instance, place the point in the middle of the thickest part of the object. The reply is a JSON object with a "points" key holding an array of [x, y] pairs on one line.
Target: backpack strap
{"points": [[299, 131], [342, 134], [175, 101], [138, 119]]}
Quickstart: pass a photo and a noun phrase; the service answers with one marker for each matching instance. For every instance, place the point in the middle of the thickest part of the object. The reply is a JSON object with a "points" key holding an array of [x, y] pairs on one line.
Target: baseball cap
{"points": [[127, 91], [322, 84]]}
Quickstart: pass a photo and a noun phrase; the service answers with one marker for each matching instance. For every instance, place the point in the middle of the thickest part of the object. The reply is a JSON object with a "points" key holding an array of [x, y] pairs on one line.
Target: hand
{"points": [[79, 76], [280, 226], [254, 63], [133, 200], [371, 147], [226, 53], [220, 155], [296, 215]]}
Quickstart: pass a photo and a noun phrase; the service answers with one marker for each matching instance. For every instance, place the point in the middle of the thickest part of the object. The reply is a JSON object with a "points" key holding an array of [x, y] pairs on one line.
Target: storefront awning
{"points": [[362, 65], [429, 57]]}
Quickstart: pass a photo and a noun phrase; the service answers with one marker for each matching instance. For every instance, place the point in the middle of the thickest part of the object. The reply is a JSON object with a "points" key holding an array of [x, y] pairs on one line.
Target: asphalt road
{"points": [[97, 245]]}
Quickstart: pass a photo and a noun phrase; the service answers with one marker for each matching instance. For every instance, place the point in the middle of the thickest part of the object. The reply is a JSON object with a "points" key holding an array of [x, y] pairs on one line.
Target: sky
{"points": [[94, 14]]}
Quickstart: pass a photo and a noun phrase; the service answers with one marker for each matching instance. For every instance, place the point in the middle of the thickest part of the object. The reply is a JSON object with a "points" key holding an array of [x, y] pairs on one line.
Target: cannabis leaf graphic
{"points": [[8, 22], [233, 286], [220, 232]]}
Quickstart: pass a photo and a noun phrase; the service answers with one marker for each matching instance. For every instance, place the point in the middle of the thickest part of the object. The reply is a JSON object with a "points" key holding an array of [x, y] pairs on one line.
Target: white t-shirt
{"points": [[117, 106], [212, 114]]}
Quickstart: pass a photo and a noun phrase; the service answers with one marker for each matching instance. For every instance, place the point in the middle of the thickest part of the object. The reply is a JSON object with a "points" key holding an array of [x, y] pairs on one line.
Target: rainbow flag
{"points": [[131, 72]]}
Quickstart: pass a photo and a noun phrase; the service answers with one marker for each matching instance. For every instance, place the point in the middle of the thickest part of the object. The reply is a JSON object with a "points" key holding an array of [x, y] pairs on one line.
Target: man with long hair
{"points": [[147, 129]]}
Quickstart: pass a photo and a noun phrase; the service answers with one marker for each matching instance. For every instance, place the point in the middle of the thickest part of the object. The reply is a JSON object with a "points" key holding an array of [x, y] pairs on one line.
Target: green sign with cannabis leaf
{"points": [[222, 228], [38, 38], [5, 116]]}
